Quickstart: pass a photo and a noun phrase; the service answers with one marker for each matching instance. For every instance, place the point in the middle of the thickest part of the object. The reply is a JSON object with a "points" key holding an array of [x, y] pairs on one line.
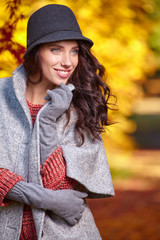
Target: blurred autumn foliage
{"points": [[120, 31]]}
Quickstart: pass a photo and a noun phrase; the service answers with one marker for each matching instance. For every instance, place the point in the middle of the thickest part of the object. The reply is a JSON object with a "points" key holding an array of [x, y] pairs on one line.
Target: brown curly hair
{"points": [[91, 94]]}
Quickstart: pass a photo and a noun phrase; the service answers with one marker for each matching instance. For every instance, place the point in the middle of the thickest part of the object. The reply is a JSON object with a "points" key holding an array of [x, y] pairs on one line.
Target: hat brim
{"points": [[58, 36]]}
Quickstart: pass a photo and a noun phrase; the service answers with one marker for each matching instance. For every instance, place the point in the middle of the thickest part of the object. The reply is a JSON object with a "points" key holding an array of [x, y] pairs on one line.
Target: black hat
{"points": [[52, 23]]}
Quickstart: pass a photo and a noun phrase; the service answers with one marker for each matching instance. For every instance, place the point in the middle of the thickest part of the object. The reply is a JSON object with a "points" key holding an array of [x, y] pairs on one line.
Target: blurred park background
{"points": [[126, 34]]}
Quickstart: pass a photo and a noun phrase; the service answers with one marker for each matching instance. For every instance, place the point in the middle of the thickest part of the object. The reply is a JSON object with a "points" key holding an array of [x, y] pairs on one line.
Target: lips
{"points": [[63, 73]]}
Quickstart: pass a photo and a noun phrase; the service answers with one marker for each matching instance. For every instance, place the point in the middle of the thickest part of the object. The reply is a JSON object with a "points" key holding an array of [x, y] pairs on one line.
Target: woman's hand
{"points": [[60, 99], [67, 203]]}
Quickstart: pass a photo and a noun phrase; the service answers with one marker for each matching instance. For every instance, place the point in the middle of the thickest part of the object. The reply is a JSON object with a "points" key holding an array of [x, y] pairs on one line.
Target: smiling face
{"points": [[58, 61]]}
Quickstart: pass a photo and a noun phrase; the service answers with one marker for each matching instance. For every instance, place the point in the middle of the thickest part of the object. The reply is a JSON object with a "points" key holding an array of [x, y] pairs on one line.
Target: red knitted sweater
{"points": [[54, 177]]}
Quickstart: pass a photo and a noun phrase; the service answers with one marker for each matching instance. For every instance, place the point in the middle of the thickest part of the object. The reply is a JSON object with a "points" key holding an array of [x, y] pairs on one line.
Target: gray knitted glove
{"points": [[67, 203], [60, 99]]}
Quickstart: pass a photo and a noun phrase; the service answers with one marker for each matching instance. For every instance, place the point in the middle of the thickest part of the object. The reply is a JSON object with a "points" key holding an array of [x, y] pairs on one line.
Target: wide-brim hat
{"points": [[53, 23]]}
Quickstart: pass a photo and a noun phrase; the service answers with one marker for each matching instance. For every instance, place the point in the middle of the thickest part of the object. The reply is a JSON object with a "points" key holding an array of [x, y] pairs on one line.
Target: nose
{"points": [[66, 60]]}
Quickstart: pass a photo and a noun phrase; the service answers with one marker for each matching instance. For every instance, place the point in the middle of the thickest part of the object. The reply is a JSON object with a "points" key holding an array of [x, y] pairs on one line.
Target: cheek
{"points": [[45, 64], [45, 59]]}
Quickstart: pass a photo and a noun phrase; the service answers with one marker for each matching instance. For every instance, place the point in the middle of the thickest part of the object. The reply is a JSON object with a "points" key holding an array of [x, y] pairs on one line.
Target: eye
{"points": [[55, 49], [75, 51]]}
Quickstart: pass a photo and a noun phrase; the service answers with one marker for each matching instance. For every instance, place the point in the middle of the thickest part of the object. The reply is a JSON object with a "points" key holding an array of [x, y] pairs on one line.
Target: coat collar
{"points": [[19, 79]]}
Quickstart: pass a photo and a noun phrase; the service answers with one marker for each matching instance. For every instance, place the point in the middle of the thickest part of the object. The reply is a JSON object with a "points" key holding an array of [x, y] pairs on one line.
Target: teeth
{"points": [[63, 72]]}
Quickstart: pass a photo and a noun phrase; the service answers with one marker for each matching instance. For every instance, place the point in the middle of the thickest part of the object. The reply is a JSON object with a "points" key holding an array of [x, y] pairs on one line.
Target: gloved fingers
{"points": [[80, 194], [63, 88], [68, 90], [48, 98], [72, 221], [69, 87], [52, 94], [64, 91], [78, 217], [58, 96], [81, 209]]}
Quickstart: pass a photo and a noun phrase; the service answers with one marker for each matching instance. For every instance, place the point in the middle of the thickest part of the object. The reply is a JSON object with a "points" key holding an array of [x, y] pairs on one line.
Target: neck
{"points": [[36, 93]]}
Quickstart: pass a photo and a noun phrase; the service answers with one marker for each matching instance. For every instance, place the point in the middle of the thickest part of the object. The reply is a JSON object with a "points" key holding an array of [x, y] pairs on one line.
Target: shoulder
{"points": [[5, 85], [5, 80], [68, 135]]}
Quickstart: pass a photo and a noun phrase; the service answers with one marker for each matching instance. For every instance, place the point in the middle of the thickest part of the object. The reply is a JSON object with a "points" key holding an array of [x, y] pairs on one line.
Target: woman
{"points": [[53, 110]]}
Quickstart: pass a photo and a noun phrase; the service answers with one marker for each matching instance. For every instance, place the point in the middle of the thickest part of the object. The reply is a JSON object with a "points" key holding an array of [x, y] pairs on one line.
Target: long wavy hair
{"points": [[91, 94]]}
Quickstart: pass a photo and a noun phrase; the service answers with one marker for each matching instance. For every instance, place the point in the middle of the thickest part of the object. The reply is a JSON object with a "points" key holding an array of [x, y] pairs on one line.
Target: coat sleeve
{"points": [[87, 163]]}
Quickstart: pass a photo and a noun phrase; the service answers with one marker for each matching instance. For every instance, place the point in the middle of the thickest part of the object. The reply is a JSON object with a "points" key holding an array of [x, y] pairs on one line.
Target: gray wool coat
{"points": [[20, 153]]}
